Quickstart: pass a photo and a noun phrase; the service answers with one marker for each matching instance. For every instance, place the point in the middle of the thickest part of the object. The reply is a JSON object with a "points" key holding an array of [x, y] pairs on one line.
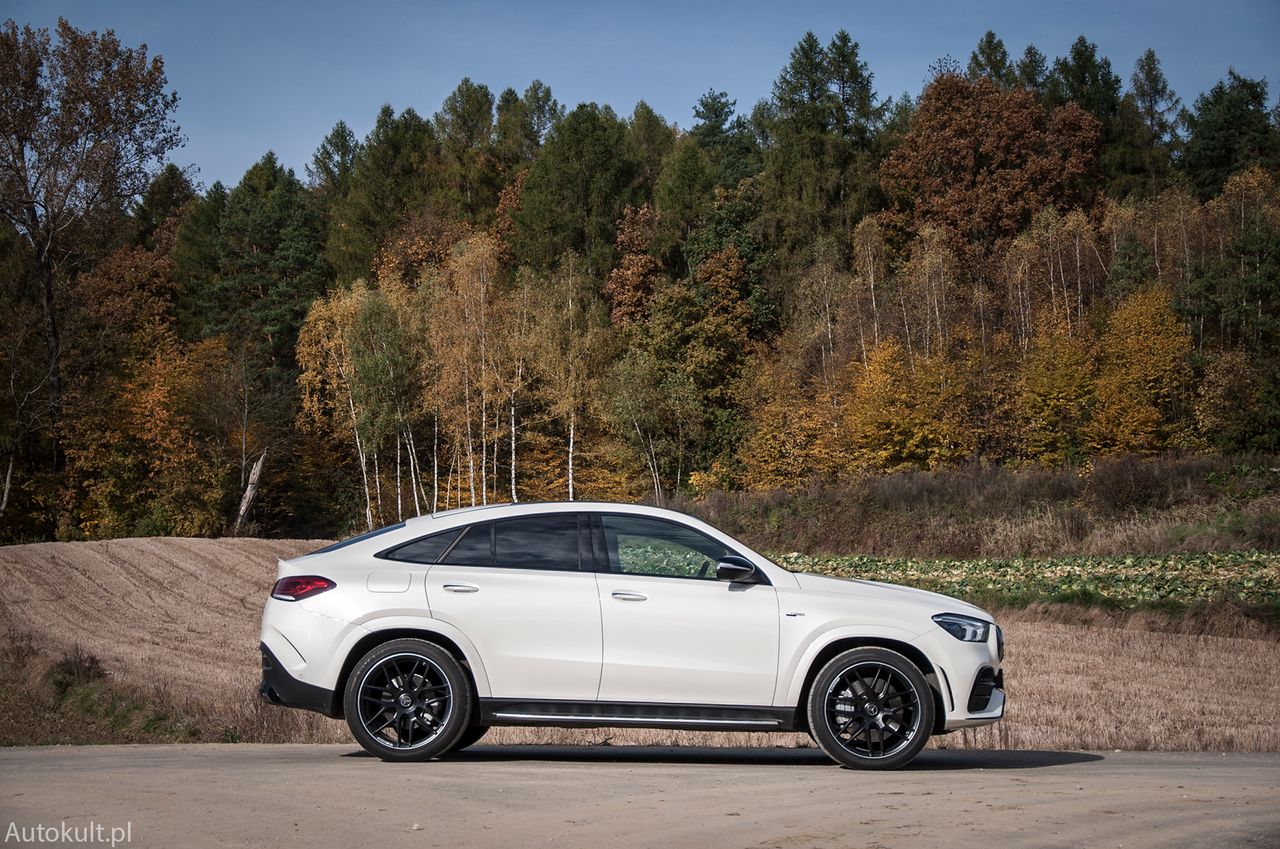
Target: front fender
{"points": [[795, 667]]}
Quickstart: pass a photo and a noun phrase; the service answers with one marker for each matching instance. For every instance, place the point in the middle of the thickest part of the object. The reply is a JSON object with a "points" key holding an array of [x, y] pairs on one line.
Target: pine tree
{"points": [[990, 59]]}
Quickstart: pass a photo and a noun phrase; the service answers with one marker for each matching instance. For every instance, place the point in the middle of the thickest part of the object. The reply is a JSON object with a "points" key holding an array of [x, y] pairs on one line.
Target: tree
{"points": [[892, 414], [1157, 103], [713, 111], [23, 416], [1056, 392], [1228, 131], [569, 337], [197, 257], [83, 123], [800, 91], [855, 112], [464, 126], [327, 378], [522, 125], [728, 140], [1086, 79], [543, 109], [576, 191], [656, 412], [1143, 374], [649, 141], [631, 284], [981, 162], [514, 140], [1033, 71], [329, 171], [395, 169], [164, 199], [990, 59], [684, 189], [271, 264]]}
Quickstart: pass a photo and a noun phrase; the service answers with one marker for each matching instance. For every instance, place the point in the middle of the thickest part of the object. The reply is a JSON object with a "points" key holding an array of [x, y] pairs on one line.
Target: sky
{"points": [[262, 76]]}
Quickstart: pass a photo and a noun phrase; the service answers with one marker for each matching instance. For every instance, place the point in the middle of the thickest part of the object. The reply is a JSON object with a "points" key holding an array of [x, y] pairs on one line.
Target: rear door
{"points": [[521, 591], [673, 633]]}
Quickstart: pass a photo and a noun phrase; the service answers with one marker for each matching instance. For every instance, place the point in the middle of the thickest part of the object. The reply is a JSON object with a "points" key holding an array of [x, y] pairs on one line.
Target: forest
{"points": [[1030, 262]]}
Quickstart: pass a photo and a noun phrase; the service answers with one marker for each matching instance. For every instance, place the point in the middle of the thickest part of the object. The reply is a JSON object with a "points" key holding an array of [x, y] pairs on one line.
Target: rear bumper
{"points": [[278, 687]]}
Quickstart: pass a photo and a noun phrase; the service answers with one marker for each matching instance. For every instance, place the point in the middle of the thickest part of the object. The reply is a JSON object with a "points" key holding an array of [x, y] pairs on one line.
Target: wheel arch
{"points": [[385, 635], [843, 644]]}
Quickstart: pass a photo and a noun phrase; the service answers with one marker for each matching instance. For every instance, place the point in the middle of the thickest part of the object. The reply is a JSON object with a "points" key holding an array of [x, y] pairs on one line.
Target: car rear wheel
{"points": [[408, 700], [871, 708]]}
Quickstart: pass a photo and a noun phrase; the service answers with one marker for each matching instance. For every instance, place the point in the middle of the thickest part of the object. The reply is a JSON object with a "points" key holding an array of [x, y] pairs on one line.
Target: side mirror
{"points": [[737, 569]]}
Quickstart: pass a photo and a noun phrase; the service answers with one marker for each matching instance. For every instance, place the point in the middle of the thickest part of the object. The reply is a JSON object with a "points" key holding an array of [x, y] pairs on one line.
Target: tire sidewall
{"points": [[460, 694], [821, 731]]}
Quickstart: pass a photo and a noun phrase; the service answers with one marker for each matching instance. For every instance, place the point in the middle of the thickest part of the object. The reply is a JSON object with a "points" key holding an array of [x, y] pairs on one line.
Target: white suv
{"points": [[426, 633]]}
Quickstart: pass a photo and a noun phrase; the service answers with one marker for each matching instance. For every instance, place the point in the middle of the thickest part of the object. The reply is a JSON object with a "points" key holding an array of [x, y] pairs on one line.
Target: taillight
{"points": [[299, 587]]}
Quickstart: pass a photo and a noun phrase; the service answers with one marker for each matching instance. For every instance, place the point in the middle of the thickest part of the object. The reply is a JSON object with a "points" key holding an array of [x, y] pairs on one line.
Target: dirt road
{"points": [[615, 798]]}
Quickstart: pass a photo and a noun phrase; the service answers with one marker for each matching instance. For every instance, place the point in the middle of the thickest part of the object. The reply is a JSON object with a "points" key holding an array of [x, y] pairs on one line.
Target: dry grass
{"points": [[1077, 678], [1114, 506]]}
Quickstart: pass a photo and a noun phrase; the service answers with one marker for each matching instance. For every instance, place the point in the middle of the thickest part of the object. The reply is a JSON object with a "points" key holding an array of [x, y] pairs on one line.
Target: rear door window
{"points": [[475, 548], [549, 541]]}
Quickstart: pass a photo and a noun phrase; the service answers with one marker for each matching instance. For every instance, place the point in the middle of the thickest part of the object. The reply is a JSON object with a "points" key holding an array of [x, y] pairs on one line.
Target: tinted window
{"points": [[640, 546], [475, 548], [425, 550], [370, 535], [538, 542]]}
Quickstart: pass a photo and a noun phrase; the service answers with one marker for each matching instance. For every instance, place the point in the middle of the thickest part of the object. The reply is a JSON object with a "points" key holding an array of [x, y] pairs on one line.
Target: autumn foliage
{"points": [[513, 300]]}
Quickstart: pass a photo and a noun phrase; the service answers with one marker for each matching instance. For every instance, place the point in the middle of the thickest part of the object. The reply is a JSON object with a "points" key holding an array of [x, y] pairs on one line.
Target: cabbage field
{"points": [[1168, 581]]}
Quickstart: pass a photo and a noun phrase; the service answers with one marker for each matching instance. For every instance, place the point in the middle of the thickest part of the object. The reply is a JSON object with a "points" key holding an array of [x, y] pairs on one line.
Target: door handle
{"points": [[625, 596], [461, 588]]}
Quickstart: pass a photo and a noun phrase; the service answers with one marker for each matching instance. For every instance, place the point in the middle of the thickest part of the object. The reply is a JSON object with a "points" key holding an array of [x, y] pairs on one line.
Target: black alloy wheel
{"points": [[871, 709], [408, 700]]}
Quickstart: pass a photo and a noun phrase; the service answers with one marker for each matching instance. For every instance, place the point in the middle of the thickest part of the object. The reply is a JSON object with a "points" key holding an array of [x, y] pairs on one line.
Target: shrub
{"points": [[73, 669]]}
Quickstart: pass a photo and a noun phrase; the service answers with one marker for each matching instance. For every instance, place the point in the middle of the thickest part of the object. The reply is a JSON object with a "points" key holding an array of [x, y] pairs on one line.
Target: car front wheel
{"points": [[408, 700], [871, 708]]}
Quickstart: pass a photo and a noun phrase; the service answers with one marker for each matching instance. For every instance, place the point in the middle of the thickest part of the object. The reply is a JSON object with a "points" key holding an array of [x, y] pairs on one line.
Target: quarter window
{"points": [[641, 546], [425, 550]]}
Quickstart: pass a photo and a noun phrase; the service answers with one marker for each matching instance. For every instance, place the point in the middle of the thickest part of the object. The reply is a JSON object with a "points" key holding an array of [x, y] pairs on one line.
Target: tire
{"points": [[469, 737], [871, 708], [408, 700]]}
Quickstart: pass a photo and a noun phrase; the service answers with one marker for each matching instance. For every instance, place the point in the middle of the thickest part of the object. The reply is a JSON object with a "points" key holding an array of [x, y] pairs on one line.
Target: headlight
{"points": [[965, 628]]}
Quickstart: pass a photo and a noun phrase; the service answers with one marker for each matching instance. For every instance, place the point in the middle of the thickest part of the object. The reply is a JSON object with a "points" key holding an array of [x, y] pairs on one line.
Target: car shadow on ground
{"points": [[928, 760]]}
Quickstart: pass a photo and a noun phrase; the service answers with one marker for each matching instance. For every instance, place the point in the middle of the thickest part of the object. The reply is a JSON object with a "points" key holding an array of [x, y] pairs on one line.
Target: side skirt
{"points": [[635, 714]]}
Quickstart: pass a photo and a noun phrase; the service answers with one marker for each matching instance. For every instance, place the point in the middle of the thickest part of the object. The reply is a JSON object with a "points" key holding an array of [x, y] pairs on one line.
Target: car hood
{"points": [[893, 593]]}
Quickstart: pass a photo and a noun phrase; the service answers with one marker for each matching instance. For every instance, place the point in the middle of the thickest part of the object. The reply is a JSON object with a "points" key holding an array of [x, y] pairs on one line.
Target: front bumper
{"points": [[970, 678], [278, 687]]}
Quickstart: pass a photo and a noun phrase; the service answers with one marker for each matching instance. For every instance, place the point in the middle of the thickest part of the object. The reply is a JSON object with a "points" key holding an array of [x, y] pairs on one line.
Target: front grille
{"points": [[983, 687]]}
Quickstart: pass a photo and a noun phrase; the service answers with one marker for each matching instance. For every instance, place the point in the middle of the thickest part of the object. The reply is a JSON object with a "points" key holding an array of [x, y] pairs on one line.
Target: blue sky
{"points": [[278, 75]]}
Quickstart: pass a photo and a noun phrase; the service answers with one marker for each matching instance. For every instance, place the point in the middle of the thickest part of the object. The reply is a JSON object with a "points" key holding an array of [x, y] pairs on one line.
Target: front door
{"points": [[673, 633]]}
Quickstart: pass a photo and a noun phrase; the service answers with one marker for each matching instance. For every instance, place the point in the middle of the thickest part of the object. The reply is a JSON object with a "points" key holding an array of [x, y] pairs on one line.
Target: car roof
{"points": [[497, 511]]}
